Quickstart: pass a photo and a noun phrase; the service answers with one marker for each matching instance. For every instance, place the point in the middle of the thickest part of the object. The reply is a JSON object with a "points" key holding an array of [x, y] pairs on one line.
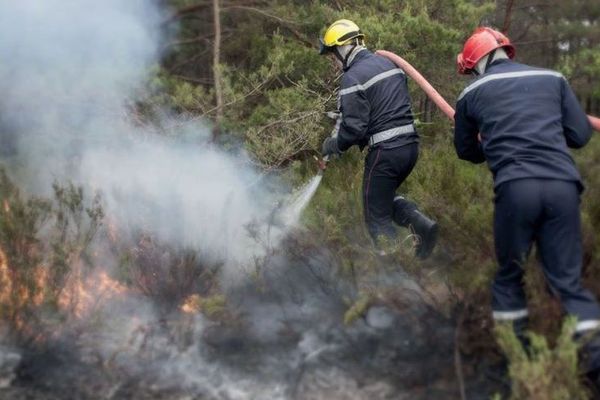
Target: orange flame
{"points": [[16, 294], [5, 280], [191, 305], [41, 284], [83, 297]]}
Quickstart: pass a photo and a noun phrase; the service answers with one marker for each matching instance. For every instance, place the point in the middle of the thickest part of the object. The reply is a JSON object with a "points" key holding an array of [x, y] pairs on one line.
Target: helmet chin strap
{"points": [[483, 65], [345, 62], [343, 53], [338, 54], [491, 58]]}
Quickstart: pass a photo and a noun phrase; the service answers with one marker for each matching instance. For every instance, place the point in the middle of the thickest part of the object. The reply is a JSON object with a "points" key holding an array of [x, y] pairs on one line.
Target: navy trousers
{"points": [[544, 212], [385, 170]]}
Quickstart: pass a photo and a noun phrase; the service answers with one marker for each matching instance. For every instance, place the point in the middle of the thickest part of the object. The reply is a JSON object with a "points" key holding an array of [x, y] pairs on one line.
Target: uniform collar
{"points": [[357, 55], [497, 63]]}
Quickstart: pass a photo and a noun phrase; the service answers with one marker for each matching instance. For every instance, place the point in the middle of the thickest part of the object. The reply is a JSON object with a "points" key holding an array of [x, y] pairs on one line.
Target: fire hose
{"points": [[431, 93], [434, 95]]}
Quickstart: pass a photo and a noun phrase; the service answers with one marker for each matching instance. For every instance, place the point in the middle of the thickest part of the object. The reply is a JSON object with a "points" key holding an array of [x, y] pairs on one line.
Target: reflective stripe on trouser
{"points": [[519, 319], [512, 315], [385, 170], [587, 325], [547, 212]]}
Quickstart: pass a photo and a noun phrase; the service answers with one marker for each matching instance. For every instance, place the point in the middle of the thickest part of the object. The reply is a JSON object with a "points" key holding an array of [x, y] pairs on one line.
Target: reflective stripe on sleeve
{"points": [[371, 81], [507, 75]]}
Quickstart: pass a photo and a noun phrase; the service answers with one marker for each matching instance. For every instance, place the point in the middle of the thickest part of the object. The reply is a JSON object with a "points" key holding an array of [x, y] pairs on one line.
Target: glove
{"points": [[333, 114], [330, 147]]}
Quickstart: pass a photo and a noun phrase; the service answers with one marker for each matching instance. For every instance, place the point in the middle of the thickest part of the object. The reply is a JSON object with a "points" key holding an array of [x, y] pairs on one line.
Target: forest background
{"points": [[251, 69]]}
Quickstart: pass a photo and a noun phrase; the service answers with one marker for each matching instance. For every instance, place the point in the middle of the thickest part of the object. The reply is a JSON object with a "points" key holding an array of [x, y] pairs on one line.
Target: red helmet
{"points": [[482, 41]]}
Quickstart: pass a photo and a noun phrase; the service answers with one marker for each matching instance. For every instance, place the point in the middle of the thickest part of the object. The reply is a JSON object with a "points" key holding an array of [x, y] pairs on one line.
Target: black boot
{"points": [[426, 231], [589, 359], [520, 327]]}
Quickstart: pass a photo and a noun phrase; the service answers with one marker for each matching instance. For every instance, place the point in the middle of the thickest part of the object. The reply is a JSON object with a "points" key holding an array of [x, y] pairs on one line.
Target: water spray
{"points": [[300, 199]]}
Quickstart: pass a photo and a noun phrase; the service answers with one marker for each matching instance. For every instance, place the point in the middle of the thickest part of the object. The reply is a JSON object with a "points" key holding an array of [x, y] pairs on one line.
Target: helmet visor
{"points": [[323, 48]]}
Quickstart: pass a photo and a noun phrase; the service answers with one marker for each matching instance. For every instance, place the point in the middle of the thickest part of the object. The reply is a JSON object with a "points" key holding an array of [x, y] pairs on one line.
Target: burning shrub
{"points": [[171, 277], [71, 236], [44, 247], [21, 253]]}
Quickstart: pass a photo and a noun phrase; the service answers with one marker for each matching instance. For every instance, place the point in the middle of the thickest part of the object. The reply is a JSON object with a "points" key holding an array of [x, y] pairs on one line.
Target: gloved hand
{"points": [[330, 147], [333, 114]]}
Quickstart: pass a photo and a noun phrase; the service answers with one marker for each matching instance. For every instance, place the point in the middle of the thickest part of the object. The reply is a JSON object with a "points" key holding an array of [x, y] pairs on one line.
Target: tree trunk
{"points": [[507, 16], [217, 69]]}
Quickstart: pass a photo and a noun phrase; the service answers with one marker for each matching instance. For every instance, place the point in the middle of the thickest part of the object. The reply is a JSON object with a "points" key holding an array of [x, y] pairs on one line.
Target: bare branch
{"points": [[182, 42], [197, 7], [535, 41], [300, 117], [185, 10], [290, 25], [259, 11], [200, 81]]}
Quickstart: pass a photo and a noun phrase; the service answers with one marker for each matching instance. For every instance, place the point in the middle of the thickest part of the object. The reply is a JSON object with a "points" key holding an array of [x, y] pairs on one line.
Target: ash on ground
{"points": [[288, 341]]}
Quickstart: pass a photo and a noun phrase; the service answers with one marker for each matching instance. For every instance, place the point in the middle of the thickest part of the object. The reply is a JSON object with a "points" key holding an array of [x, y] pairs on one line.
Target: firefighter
{"points": [[522, 120], [375, 112]]}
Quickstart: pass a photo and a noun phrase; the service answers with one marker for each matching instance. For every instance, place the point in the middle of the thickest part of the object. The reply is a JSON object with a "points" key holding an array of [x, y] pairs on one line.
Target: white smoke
{"points": [[68, 71]]}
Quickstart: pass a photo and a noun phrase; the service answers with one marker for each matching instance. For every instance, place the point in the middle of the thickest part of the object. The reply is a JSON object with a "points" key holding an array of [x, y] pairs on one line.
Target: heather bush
{"points": [[542, 372]]}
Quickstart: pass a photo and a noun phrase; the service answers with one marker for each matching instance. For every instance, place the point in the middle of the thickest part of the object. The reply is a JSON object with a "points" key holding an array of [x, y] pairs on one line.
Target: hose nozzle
{"points": [[322, 163]]}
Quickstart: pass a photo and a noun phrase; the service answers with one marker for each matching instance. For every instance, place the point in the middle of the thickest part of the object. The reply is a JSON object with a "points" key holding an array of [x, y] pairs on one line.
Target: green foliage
{"points": [[542, 372], [358, 309], [287, 126], [588, 159], [459, 196], [214, 306]]}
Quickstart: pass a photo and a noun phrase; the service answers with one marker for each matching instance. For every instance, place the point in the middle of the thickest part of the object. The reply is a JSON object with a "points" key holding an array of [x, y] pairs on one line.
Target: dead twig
{"points": [[457, 357], [282, 121], [289, 25], [184, 11], [259, 11]]}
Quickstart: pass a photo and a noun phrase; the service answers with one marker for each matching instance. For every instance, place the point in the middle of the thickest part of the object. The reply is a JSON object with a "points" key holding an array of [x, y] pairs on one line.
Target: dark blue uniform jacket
{"points": [[527, 118], [373, 98]]}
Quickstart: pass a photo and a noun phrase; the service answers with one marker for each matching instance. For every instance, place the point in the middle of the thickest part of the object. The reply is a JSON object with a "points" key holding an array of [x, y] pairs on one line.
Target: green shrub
{"points": [[542, 373]]}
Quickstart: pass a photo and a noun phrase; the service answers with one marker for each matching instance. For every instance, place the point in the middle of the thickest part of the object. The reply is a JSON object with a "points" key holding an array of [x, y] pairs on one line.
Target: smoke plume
{"points": [[69, 72]]}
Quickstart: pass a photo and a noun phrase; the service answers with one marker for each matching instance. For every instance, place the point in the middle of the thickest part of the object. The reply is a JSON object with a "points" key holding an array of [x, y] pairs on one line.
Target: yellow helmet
{"points": [[339, 33]]}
